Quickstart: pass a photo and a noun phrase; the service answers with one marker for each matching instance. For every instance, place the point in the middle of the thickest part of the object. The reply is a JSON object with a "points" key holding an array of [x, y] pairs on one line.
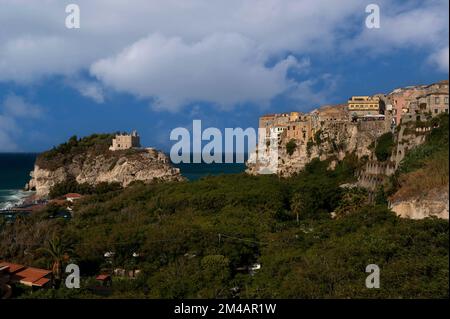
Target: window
{"points": [[436, 111], [446, 100], [436, 100]]}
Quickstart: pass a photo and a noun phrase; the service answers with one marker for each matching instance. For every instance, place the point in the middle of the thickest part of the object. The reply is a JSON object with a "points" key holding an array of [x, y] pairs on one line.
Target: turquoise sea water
{"points": [[15, 173]]}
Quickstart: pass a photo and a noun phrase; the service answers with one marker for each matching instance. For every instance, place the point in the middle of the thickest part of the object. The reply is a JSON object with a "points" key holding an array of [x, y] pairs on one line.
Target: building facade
{"points": [[434, 103], [359, 106], [299, 130], [125, 141]]}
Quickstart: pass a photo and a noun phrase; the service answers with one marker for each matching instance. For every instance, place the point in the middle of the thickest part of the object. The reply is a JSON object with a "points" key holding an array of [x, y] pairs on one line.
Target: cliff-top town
{"points": [[351, 127], [412, 103]]}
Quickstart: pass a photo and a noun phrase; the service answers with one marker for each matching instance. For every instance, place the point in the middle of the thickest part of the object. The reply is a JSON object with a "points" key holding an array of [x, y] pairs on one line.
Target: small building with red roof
{"points": [[28, 276], [71, 197]]}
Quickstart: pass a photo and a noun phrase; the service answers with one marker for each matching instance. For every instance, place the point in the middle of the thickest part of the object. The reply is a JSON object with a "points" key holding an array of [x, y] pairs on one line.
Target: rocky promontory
{"points": [[89, 161]]}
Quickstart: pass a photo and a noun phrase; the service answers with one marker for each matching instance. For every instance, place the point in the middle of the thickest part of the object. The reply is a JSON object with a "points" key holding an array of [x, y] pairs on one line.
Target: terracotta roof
{"points": [[72, 195], [30, 276], [41, 282], [12, 267], [103, 277]]}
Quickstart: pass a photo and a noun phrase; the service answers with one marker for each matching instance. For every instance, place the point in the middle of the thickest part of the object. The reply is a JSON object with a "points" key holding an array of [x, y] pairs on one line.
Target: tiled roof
{"points": [[41, 282], [103, 277], [12, 267], [72, 195], [29, 276]]}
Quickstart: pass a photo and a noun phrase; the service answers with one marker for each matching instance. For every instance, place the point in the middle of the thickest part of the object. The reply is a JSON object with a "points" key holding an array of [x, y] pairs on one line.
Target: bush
{"points": [[72, 186], [63, 154], [385, 144], [291, 146]]}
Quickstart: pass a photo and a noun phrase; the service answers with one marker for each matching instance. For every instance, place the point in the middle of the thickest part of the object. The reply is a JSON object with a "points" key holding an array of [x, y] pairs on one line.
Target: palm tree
{"points": [[297, 206], [58, 251]]}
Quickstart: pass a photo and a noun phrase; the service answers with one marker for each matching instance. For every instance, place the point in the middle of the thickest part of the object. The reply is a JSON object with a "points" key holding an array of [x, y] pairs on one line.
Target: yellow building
{"points": [[364, 105], [294, 116]]}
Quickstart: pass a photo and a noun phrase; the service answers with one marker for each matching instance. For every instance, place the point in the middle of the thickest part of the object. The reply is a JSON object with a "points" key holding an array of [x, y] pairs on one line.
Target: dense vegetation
{"points": [[384, 146], [71, 186], [197, 239]]}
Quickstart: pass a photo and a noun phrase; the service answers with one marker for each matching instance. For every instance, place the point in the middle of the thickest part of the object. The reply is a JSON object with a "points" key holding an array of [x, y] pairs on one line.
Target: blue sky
{"points": [[158, 65]]}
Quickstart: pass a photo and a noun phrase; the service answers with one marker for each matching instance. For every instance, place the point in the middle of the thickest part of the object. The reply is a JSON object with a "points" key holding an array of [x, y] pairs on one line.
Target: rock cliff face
{"points": [[433, 204], [405, 161], [334, 140], [124, 167]]}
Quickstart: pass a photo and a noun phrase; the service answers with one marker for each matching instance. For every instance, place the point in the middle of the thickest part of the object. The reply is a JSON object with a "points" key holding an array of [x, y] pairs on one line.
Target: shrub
{"points": [[385, 144], [291, 146]]}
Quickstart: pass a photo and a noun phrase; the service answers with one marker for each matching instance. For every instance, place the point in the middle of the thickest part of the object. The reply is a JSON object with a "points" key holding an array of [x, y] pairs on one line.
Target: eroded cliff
{"points": [[89, 161]]}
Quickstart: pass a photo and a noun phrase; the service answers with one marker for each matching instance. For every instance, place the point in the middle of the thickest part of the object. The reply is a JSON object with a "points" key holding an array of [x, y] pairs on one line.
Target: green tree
{"points": [[297, 206], [58, 251], [385, 144], [216, 274], [291, 146]]}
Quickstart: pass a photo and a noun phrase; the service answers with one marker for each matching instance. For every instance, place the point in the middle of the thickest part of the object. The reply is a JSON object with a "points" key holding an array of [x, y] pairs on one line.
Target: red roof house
{"points": [[72, 196], [29, 276]]}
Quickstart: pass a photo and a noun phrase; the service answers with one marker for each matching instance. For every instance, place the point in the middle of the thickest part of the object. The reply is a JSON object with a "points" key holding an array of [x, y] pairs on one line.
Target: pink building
{"points": [[400, 100]]}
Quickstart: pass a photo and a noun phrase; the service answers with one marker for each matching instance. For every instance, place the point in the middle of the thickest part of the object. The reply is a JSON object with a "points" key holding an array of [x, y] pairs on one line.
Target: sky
{"points": [[157, 65]]}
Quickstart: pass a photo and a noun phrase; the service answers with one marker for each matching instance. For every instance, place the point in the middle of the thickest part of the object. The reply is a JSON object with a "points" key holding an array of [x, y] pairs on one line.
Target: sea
{"points": [[15, 171], [14, 174]]}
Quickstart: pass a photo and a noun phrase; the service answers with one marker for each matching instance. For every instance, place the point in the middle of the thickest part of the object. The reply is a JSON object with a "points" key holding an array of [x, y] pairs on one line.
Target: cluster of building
{"points": [[412, 103], [13, 275], [302, 127]]}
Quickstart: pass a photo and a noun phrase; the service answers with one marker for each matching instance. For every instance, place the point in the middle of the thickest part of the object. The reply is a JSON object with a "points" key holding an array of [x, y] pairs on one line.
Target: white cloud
{"points": [[440, 59], [13, 110], [180, 51], [405, 27], [7, 129], [306, 95], [92, 90], [223, 68], [15, 106]]}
